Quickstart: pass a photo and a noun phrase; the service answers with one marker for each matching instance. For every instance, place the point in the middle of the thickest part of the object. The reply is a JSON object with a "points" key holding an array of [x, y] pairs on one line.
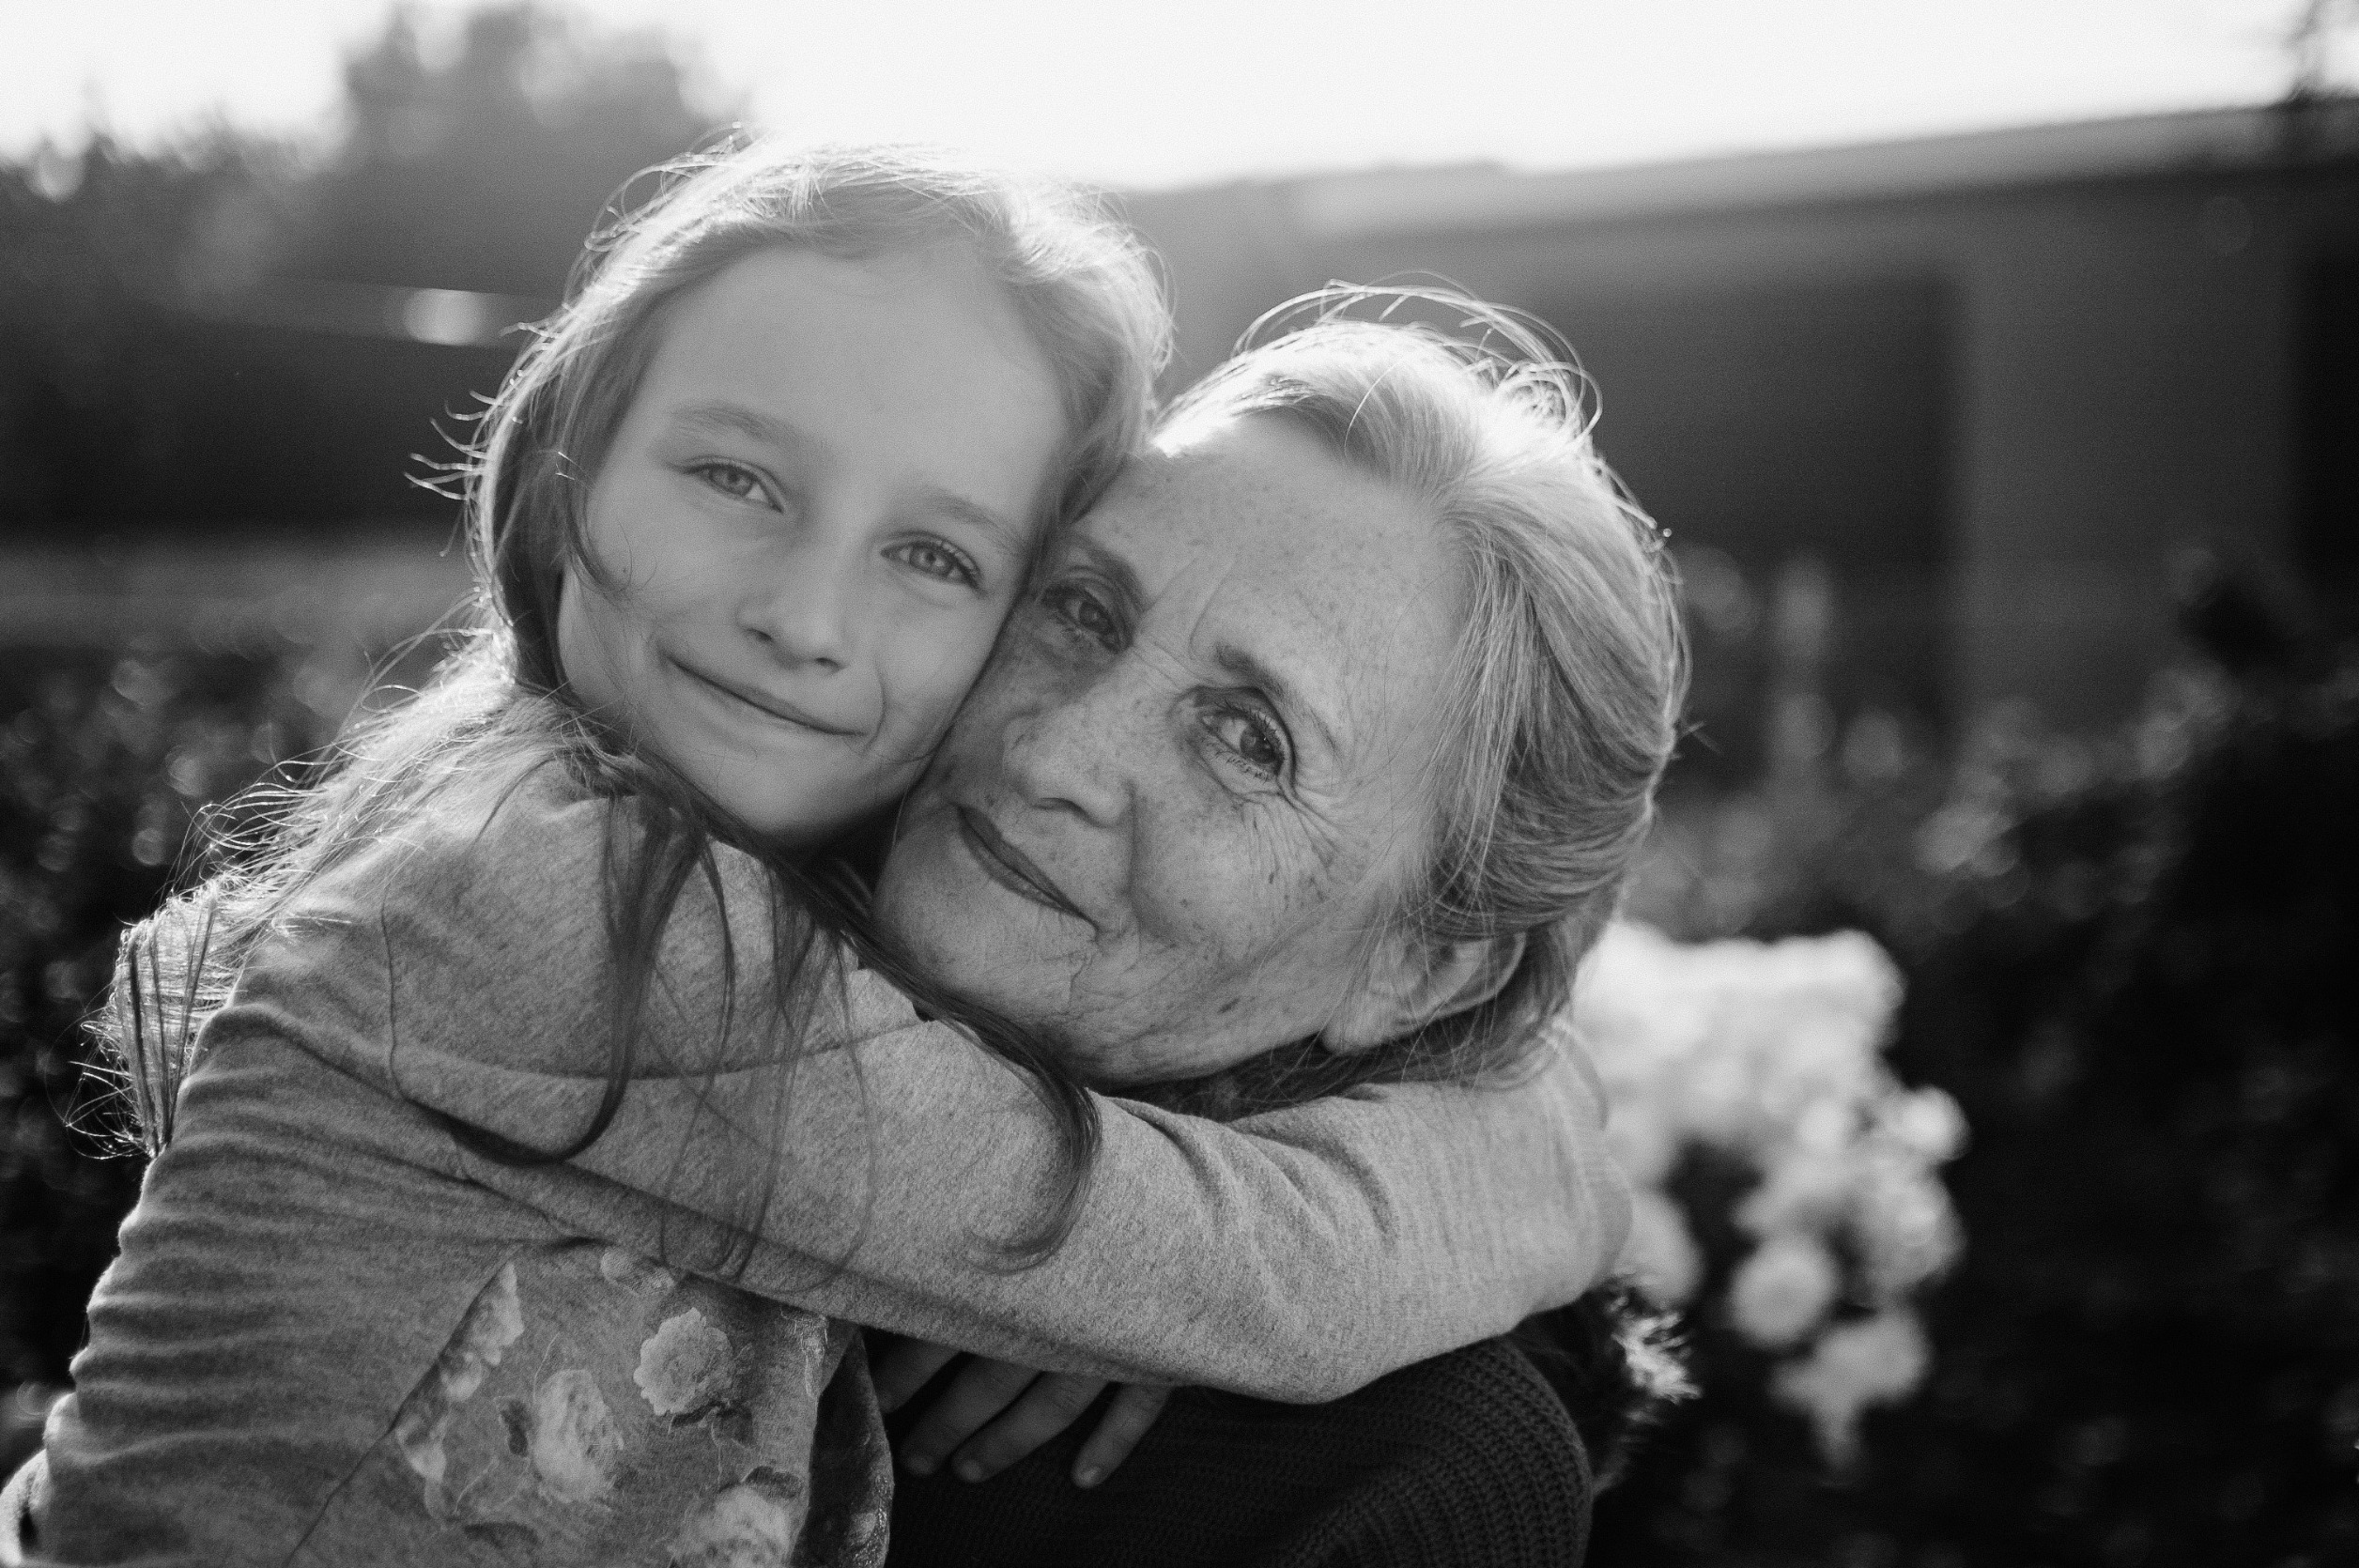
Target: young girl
{"points": [[553, 1118]]}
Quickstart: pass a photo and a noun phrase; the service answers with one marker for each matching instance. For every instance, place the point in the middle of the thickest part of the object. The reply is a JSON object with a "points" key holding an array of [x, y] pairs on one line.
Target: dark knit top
{"points": [[1467, 1459]]}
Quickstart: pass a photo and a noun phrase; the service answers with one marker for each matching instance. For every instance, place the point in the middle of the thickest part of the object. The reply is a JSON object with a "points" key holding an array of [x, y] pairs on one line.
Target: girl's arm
{"points": [[873, 1174]]}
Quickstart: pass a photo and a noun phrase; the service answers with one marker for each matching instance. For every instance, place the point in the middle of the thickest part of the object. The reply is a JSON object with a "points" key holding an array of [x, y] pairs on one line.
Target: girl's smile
{"points": [[734, 698]]}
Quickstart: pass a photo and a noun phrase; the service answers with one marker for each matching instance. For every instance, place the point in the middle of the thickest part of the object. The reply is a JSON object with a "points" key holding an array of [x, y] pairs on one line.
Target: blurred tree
{"points": [[2310, 46], [485, 171], [138, 390], [91, 246]]}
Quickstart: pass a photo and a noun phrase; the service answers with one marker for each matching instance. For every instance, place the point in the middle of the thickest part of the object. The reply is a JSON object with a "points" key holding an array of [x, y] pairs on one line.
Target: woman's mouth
{"points": [[1007, 866], [760, 703]]}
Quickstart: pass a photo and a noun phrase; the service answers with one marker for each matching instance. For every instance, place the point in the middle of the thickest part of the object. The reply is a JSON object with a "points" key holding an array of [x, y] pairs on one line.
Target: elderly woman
{"points": [[1360, 681], [1313, 761]]}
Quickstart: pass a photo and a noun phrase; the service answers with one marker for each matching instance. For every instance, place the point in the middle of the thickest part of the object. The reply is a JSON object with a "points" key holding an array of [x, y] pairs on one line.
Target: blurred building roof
{"points": [[1470, 197]]}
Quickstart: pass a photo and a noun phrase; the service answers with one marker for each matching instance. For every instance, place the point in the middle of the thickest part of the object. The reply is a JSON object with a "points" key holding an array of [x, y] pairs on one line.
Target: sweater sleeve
{"points": [[876, 1170]]}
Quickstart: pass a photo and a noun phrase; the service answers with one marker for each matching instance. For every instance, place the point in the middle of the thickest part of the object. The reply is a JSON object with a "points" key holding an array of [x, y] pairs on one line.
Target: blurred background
{"points": [[1995, 370]]}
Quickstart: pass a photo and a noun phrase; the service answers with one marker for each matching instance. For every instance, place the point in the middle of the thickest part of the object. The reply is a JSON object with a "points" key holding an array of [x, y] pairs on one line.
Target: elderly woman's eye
{"points": [[1080, 609], [1251, 736]]}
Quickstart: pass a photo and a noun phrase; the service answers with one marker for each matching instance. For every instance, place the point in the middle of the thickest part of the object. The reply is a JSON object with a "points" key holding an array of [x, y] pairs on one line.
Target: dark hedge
{"points": [[104, 761]]}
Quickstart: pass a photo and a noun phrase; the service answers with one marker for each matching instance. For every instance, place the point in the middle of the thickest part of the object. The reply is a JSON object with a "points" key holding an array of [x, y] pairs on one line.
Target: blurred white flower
{"points": [[1906, 1231], [1803, 1188], [1876, 1361], [1783, 1291], [1770, 1056], [1925, 1122]]}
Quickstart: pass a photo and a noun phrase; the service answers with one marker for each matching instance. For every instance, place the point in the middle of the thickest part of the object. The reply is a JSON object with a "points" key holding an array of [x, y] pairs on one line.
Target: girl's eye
{"points": [[938, 560], [1080, 609], [733, 480], [1250, 737]]}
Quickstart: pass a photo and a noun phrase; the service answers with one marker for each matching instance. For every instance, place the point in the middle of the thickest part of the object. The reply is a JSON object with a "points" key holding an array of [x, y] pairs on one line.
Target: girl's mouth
{"points": [[761, 703]]}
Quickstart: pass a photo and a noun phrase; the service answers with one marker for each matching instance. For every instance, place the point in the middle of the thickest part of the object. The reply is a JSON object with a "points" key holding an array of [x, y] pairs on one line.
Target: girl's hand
{"points": [[1030, 1407]]}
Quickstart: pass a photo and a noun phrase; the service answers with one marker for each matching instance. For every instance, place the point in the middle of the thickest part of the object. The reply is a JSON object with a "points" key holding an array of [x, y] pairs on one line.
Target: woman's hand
{"points": [[1029, 1407]]}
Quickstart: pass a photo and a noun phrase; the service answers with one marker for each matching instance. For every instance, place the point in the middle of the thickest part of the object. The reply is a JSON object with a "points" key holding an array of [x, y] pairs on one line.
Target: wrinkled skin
{"points": [[1170, 820]]}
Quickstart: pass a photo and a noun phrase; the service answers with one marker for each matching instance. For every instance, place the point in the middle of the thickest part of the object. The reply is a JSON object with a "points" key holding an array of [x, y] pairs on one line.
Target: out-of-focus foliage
{"points": [[2128, 964], [150, 370], [104, 761], [486, 170], [91, 245], [1765, 1059]]}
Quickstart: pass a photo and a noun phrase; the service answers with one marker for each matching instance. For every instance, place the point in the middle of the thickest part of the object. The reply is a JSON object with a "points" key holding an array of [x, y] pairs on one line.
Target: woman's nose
{"points": [[801, 609], [1079, 748]]}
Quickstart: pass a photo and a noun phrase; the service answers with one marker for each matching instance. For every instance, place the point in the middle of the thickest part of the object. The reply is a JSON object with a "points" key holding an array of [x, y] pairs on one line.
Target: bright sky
{"points": [[1194, 90]]}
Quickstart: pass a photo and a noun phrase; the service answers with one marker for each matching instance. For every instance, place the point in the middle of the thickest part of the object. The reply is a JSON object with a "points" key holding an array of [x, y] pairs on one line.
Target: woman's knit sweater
{"points": [[1464, 1460]]}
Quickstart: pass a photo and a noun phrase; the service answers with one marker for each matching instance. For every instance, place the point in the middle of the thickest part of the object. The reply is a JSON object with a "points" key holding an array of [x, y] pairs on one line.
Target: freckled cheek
{"points": [[1212, 889]]}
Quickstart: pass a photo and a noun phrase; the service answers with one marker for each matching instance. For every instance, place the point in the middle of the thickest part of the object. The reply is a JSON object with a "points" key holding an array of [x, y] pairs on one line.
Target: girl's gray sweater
{"points": [[336, 1336]]}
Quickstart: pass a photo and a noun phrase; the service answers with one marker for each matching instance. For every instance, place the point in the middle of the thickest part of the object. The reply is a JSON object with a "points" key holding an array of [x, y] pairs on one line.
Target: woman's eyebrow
{"points": [[1119, 574], [1250, 668]]}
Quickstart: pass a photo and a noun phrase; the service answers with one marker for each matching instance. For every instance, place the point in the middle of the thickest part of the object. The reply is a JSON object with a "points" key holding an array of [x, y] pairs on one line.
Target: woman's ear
{"points": [[1417, 982]]}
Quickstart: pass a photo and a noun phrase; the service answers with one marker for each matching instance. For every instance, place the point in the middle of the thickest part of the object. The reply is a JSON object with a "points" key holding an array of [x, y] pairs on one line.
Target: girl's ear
{"points": [[1415, 982]]}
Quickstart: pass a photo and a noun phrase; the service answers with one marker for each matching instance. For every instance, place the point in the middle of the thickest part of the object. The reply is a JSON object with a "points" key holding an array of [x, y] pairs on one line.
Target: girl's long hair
{"points": [[1083, 286]]}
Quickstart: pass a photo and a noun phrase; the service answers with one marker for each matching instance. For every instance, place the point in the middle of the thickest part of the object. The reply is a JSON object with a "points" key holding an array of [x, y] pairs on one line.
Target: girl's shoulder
{"points": [[511, 879], [517, 832]]}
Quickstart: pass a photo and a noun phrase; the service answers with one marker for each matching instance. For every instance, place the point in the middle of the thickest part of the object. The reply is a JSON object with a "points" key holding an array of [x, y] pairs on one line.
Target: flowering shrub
{"points": [[2127, 961], [1768, 1057]]}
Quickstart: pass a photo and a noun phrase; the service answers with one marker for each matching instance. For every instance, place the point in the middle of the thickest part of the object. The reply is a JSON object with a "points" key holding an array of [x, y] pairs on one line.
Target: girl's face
{"points": [[813, 518]]}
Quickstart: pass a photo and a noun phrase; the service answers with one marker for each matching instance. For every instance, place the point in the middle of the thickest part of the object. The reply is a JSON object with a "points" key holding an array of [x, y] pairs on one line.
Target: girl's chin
{"points": [[775, 800]]}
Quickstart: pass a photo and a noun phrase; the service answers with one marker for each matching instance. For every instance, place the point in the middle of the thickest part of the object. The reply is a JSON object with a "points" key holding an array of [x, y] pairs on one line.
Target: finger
{"points": [[982, 1390], [1128, 1414], [1047, 1408], [907, 1368]]}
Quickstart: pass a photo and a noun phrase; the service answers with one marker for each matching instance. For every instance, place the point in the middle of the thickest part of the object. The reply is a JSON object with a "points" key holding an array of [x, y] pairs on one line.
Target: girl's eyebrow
{"points": [[738, 419], [937, 502]]}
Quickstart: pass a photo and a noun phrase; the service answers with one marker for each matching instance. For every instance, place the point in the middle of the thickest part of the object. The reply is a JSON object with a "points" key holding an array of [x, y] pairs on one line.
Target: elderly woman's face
{"points": [[1171, 817]]}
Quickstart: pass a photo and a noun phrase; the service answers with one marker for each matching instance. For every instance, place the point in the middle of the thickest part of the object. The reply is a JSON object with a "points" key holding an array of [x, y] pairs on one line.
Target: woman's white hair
{"points": [[1569, 675]]}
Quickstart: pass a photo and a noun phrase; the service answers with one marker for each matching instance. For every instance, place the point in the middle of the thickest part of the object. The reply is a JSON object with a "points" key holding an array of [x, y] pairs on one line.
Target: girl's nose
{"points": [[802, 610]]}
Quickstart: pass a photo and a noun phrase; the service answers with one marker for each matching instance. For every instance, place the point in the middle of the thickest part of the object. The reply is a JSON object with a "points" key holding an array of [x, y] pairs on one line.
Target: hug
{"points": [[917, 843]]}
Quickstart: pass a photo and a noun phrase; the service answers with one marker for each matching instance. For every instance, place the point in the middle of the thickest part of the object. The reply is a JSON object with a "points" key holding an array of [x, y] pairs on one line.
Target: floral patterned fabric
{"points": [[594, 1406]]}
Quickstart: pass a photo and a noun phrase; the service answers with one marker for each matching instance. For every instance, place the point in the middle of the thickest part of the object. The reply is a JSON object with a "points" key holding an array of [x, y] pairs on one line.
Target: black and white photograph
{"points": [[794, 784]]}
